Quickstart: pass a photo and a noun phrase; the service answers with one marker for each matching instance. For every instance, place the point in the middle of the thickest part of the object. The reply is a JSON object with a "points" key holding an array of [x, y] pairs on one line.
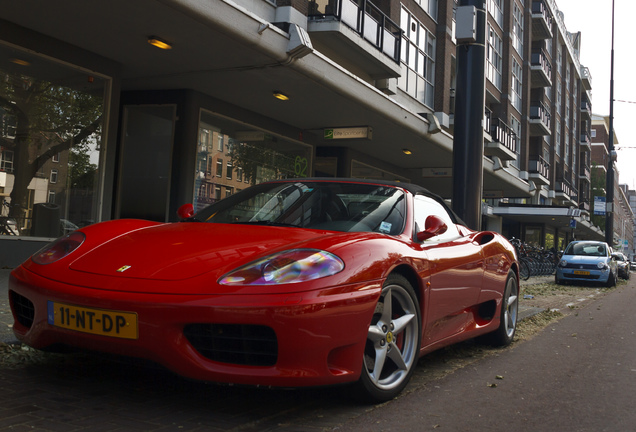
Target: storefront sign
{"points": [[349, 133]]}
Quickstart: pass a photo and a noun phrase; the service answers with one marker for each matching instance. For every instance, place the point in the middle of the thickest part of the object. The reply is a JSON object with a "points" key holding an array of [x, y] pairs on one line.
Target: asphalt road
{"points": [[578, 374]]}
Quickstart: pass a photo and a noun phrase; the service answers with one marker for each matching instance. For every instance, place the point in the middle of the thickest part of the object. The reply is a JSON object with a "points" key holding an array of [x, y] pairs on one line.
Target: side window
{"points": [[423, 208]]}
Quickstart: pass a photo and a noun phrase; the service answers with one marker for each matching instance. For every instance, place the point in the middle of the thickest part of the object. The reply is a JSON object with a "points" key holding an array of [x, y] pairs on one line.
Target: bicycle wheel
{"points": [[524, 270]]}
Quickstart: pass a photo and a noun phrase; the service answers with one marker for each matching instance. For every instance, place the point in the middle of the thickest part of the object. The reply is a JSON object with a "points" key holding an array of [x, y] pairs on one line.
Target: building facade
{"points": [[130, 109]]}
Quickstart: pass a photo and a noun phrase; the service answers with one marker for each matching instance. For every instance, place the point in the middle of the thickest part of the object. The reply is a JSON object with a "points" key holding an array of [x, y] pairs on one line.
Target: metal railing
{"points": [[366, 19]]}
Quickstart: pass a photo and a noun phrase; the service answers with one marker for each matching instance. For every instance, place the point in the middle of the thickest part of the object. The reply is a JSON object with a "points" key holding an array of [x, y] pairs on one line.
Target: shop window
{"points": [[249, 156], [60, 122]]}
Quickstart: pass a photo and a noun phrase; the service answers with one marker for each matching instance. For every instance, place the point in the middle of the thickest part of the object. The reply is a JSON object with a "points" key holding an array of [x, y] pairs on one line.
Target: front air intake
{"points": [[249, 345]]}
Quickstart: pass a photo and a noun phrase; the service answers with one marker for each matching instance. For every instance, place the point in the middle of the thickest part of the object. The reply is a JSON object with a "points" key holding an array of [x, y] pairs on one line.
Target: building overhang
{"points": [[555, 217]]}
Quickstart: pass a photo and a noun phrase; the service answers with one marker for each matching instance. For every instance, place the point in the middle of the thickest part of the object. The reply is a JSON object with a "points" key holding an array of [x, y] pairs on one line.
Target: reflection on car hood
{"points": [[183, 250]]}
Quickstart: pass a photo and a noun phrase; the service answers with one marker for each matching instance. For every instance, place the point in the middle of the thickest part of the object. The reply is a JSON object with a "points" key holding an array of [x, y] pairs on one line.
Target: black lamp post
{"points": [[609, 181]]}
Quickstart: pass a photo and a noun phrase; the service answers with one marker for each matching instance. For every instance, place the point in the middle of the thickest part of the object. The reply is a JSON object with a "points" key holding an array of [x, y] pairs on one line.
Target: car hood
{"points": [[178, 251], [578, 259]]}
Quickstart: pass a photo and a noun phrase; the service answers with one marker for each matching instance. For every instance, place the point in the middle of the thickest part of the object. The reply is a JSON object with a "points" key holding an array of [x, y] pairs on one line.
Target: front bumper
{"points": [[592, 275], [318, 336]]}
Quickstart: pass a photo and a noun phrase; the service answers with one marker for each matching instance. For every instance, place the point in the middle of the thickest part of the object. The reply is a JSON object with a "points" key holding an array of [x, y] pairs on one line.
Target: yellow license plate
{"points": [[581, 272], [91, 320]]}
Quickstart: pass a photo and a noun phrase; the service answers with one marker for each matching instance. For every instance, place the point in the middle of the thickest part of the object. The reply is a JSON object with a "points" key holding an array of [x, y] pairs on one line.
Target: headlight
{"points": [[563, 263], [293, 266], [59, 248], [601, 265]]}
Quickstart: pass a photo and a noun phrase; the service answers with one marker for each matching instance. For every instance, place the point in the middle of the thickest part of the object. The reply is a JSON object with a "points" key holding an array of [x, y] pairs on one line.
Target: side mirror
{"points": [[186, 211], [434, 226]]}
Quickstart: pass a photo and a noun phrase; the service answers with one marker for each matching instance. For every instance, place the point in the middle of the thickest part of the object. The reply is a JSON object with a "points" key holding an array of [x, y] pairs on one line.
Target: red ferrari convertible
{"points": [[302, 282]]}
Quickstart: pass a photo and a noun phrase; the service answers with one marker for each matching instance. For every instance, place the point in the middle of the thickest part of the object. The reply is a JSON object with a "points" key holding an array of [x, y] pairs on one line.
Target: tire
{"points": [[611, 280], [393, 342], [505, 333], [524, 270], [557, 280]]}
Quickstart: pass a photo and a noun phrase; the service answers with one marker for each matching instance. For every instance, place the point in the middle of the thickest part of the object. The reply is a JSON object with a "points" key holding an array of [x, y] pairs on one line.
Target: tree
{"points": [[49, 118]]}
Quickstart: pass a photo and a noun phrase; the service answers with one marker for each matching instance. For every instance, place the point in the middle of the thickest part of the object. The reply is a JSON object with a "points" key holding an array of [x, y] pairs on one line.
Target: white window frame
{"points": [[494, 58], [417, 60]]}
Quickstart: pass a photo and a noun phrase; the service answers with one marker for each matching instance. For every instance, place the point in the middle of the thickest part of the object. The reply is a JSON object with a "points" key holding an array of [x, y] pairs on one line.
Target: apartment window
{"points": [[55, 158], [220, 142], [51, 197], [517, 28], [495, 7], [217, 192], [517, 85], [593, 133], [574, 159], [430, 7], [53, 178], [228, 191], [568, 140], [418, 64], [219, 167], [559, 96], [495, 62], [559, 58], [567, 76], [6, 160], [239, 174], [229, 170], [557, 139]]}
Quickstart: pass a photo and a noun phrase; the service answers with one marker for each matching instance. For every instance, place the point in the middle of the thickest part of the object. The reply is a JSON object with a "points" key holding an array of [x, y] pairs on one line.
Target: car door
{"points": [[457, 270]]}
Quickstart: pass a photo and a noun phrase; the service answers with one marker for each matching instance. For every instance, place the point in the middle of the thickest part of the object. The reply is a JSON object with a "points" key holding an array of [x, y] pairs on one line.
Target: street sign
{"points": [[599, 205]]}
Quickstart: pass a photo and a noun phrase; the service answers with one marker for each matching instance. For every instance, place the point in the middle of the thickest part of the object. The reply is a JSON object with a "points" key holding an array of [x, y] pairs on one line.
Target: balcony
{"points": [[504, 141], [356, 33], [540, 119], [539, 170], [584, 204], [586, 144], [586, 109], [541, 21], [586, 78], [540, 70], [585, 174], [562, 190], [487, 124]]}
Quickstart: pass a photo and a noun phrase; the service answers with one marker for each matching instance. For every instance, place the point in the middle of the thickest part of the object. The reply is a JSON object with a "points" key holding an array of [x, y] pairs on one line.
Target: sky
{"points": [[593, 18]]}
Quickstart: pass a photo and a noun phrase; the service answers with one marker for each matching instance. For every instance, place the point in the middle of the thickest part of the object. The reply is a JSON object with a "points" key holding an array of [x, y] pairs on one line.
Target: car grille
{"points": [[249, 345], [23, 309]]}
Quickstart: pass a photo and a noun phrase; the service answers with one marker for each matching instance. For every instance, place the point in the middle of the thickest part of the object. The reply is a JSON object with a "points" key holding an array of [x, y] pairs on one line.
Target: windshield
{"points": [[318, 205], [586, 249]]}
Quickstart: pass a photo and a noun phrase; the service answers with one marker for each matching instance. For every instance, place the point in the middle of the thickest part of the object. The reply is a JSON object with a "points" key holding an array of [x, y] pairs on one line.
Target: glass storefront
{"points": [[232, 156], [51, 120]]}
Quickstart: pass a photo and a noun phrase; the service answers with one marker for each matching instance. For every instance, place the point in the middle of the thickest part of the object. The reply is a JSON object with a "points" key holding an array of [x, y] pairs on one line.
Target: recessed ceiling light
{"points": [[281, 96], [407, 151], [159, 43]]}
